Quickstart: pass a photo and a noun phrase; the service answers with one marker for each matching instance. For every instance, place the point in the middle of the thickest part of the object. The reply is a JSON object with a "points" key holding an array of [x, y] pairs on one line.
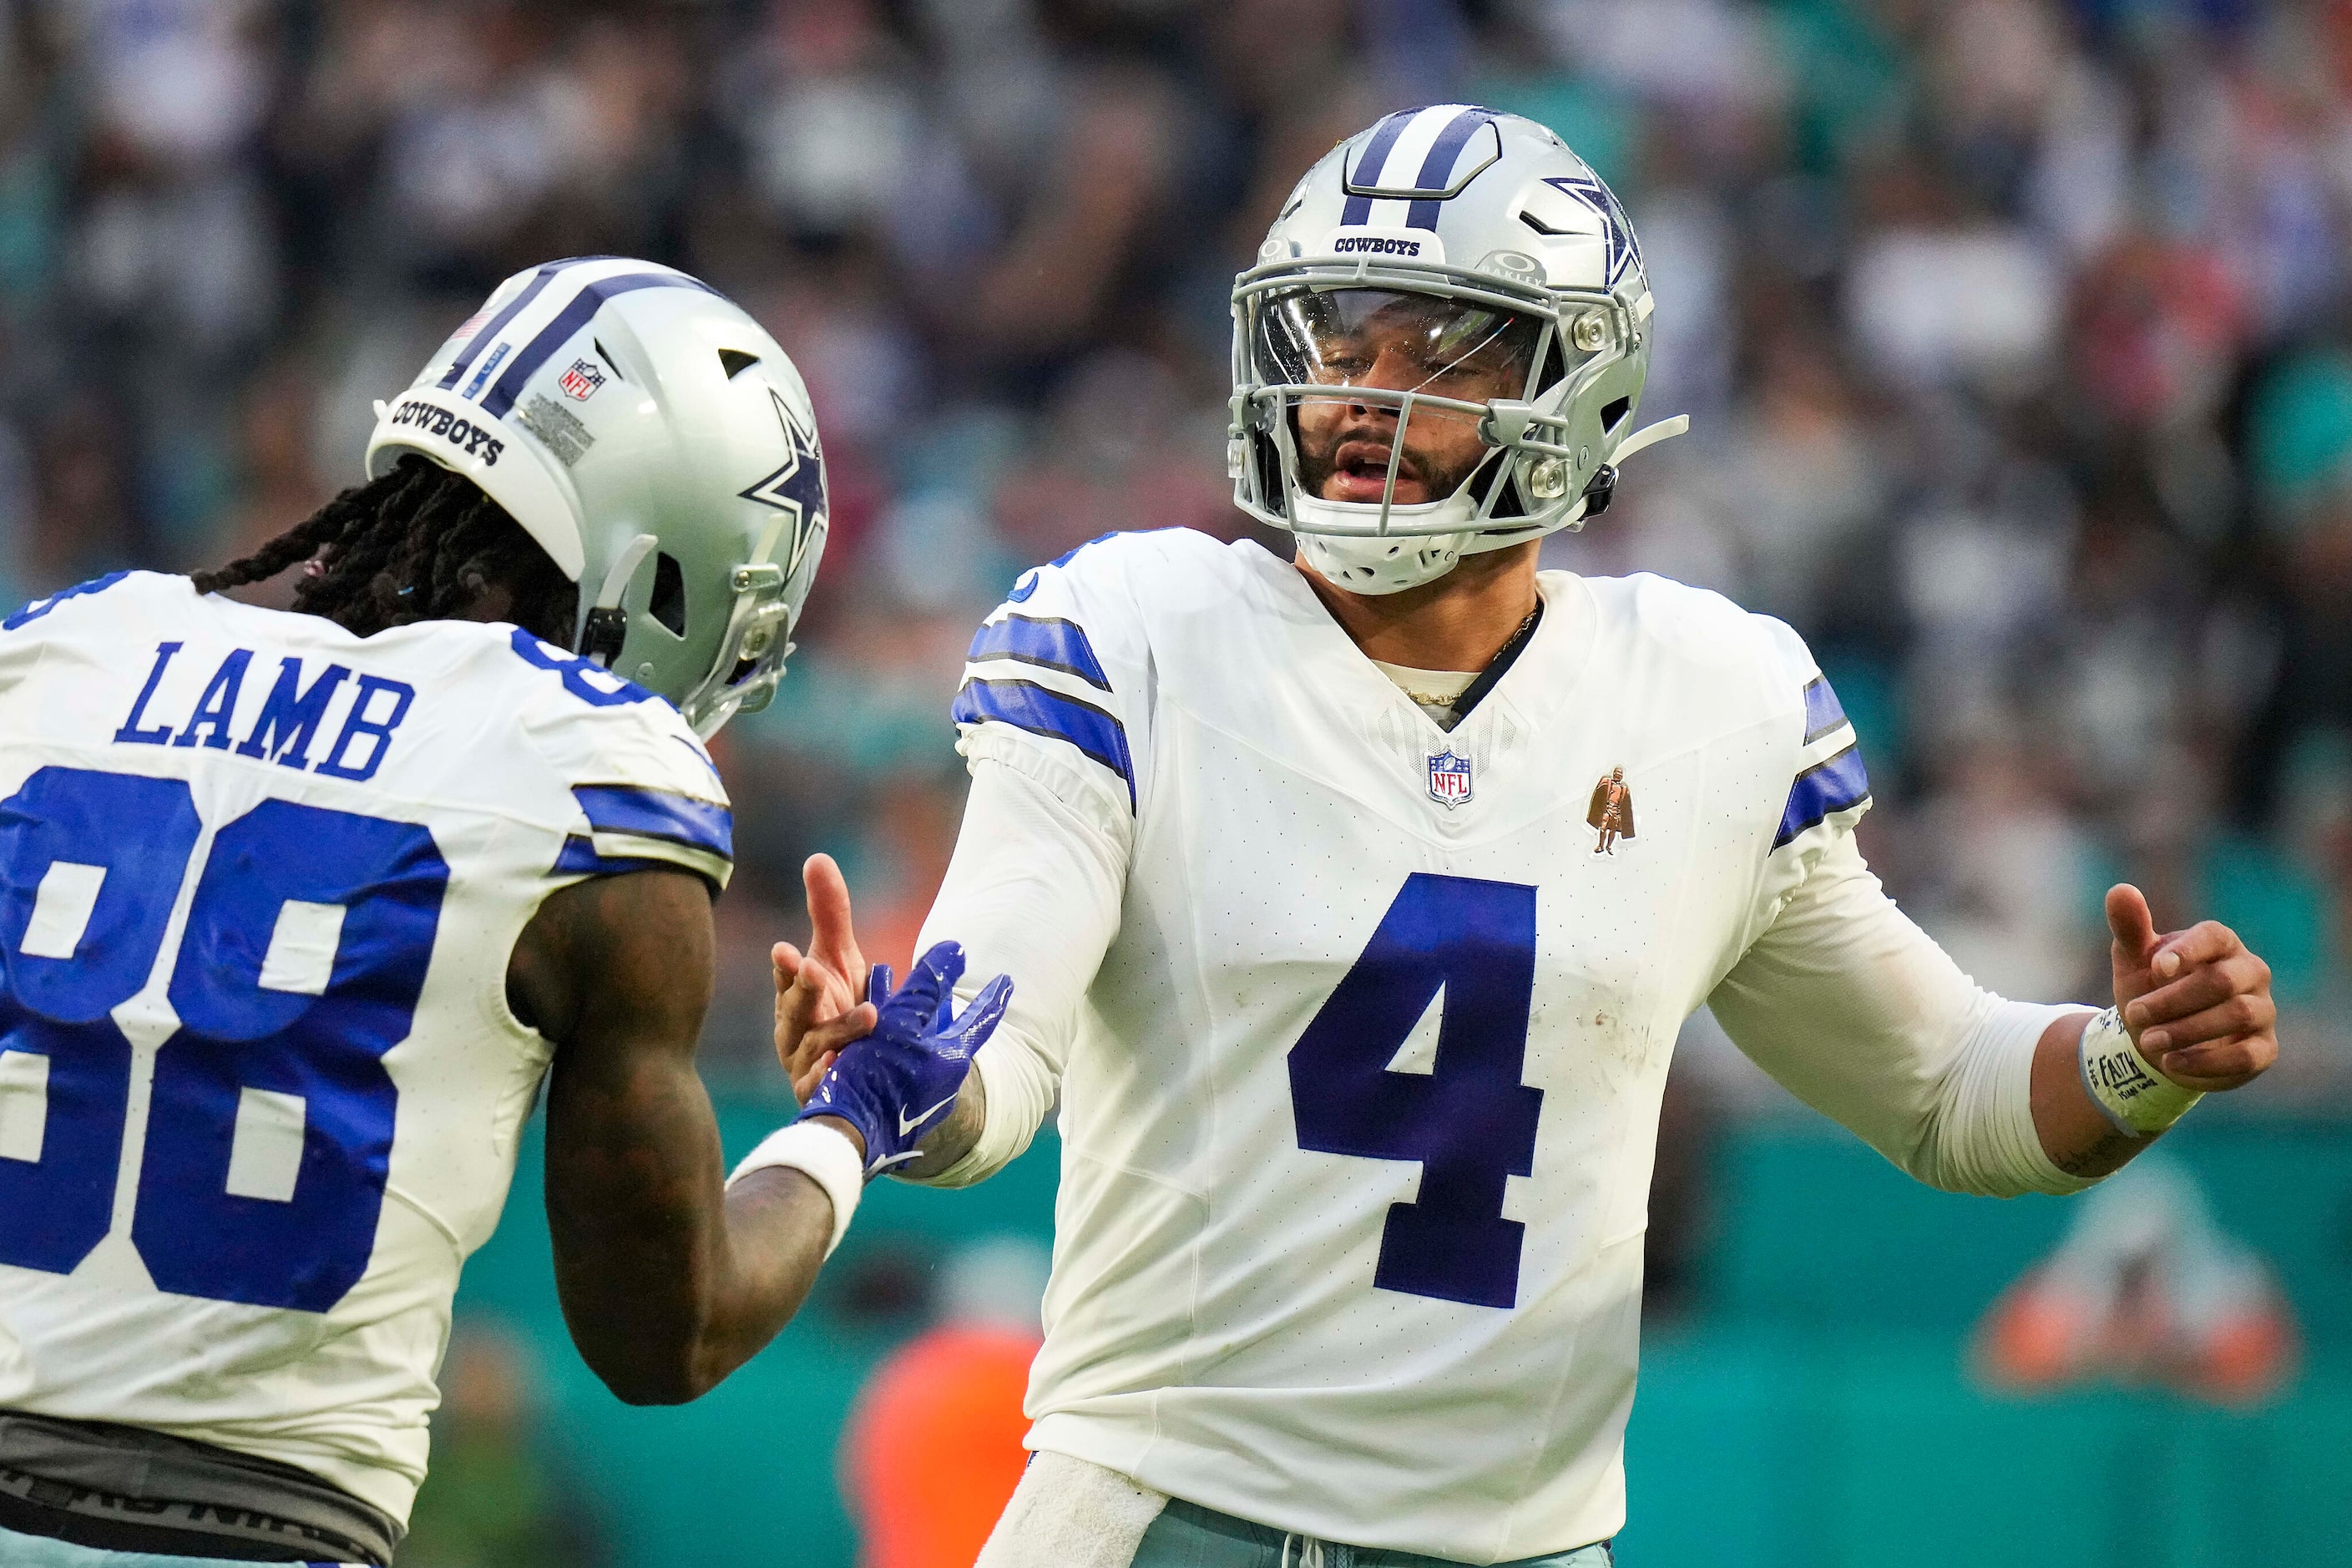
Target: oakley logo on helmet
{"points": [[430, 420]]}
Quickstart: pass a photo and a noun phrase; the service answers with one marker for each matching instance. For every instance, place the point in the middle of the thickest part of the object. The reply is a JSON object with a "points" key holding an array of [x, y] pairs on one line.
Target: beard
{"points": [[1360, 449]]}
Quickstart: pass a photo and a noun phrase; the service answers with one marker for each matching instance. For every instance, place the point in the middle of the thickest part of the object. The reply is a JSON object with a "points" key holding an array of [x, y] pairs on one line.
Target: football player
{"points": [[297, 908], [1355, 902]]}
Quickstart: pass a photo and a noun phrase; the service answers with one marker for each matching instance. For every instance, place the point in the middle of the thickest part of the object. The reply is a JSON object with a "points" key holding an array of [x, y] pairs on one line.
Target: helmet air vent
{"points": [[1613, 414], [668, 605], [735, 362]]}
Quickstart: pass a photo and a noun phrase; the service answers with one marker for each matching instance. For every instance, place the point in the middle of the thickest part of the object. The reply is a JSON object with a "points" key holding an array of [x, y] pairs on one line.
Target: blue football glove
{"points": [[901, 1081]]}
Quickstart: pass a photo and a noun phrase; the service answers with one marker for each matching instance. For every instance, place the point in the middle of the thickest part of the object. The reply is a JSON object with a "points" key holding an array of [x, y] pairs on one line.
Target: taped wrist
{"points": [[2133, 1095], [820, 1153]]}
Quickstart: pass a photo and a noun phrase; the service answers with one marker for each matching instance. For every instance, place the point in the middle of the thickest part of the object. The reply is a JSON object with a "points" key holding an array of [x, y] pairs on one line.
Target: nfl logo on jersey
{"points": [[1449, 779], [580, 382]]}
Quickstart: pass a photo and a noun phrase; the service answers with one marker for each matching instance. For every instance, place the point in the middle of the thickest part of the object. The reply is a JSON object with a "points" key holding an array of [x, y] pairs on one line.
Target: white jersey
{"points": [[1365, 1024], [260, 1089]]}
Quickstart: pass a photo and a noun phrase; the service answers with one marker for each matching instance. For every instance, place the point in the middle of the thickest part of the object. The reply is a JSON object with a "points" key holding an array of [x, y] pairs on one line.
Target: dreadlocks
{"points": [[419, 543]]}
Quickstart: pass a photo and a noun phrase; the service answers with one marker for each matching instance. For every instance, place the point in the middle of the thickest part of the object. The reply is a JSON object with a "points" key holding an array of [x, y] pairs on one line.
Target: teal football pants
{"points": [[40, 1551], [1188, 1536]]}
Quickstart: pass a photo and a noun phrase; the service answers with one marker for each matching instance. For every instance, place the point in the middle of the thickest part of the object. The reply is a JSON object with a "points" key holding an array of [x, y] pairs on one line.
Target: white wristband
{"points": [[2136, 1098], [823, 1155]]}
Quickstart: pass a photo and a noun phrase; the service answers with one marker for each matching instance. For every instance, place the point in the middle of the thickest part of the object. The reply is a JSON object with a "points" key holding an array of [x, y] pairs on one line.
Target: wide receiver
{"points": [[296, 910], [1355, 902]]}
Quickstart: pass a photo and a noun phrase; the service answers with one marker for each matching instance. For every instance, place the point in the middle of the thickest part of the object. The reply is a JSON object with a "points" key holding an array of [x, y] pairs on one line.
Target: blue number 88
{"points": [[313, 1040]]}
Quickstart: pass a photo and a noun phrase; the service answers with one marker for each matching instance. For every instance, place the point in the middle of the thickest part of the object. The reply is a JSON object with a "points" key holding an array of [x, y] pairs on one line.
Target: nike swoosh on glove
{"points": [[899, 1082]]}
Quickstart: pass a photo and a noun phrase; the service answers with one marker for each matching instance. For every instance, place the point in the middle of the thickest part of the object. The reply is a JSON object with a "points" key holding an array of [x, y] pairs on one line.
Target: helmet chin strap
{"points": [[1650, 435], [607, 626]]}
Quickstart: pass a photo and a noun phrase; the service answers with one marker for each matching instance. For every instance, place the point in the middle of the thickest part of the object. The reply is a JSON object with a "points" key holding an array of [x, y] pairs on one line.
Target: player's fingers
{"points": [[2204, 986], [2220, 1065], [787, 960], [805, 1083], [804, 1003], [980, 1019], [834, 1036], [803, 1052], [2241, 1014], [2128, 921], [828, 894], [834, 934], [2206, 941]]}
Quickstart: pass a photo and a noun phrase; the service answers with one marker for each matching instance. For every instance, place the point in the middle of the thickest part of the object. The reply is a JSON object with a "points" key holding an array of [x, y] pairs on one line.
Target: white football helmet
{"points": [[1489, 252], [659, 446]]}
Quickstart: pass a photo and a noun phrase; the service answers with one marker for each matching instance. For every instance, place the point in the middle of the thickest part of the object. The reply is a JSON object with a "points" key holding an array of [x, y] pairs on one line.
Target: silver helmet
{"points": [[1458, 274], [659, 446]]}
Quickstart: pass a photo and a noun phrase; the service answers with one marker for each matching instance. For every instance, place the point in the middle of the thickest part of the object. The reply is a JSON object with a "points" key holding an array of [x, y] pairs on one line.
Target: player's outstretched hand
{"points": [[2196, 1003], [901, 1082], [819, 1008]]}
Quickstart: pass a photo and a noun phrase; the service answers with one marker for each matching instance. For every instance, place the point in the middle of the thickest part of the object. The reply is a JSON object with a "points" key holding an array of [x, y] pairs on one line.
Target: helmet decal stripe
{"points": [[569, 320], [1437, 169], [1369, 162], [489, 332]]}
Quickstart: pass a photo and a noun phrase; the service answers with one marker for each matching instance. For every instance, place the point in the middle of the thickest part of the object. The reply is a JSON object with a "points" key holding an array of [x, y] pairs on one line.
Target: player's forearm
{"points": [[2075, 1133], [669, 1282], [956, 1137]]}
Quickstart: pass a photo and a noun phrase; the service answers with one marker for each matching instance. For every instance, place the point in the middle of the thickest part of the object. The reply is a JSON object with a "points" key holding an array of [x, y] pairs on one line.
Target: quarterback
{"points": [[297, 909], [1355, 902]]}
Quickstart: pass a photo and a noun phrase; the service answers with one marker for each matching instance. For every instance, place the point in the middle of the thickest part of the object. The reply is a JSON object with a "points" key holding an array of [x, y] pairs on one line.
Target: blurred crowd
{"points": [[2014, 334]]}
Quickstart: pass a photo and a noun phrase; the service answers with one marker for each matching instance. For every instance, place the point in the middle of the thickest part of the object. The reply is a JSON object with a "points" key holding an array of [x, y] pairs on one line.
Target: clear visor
{"points": [[1389, 340]]}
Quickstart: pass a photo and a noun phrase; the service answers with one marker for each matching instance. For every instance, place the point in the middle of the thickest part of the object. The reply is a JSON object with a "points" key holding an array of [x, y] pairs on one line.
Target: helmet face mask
{"points": [[659, 445], [1482, 403]]}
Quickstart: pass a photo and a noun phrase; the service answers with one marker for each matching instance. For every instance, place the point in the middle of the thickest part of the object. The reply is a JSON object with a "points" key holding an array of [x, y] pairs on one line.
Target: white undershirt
{"points": [[1436, 692]]}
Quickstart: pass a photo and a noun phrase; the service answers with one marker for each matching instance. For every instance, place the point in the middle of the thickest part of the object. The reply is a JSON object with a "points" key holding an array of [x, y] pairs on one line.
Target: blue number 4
{"points": [[302, 959], [1471, 1122]]}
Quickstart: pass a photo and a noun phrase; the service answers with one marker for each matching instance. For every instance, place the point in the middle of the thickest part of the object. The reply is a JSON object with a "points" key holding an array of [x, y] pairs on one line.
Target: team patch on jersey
{"points": [[1449, 779], [1612, 811], [580, 382]]}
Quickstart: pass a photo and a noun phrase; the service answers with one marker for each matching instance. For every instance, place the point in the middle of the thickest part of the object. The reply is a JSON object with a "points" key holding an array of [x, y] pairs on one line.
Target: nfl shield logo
{"points": [[1449, 779], [580, 382]]}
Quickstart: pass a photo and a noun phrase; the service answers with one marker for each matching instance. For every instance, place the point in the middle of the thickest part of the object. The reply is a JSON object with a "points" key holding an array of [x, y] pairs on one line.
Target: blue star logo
{"points": [[797, 488], [1624, 251]]}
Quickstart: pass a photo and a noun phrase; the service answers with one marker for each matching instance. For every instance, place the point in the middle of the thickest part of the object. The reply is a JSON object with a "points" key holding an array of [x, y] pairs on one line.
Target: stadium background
{"points": [[2015, 334]]}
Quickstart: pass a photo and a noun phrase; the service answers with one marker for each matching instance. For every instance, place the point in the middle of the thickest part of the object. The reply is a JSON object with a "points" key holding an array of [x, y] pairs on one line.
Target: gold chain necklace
{"points": [[1430, 699]]}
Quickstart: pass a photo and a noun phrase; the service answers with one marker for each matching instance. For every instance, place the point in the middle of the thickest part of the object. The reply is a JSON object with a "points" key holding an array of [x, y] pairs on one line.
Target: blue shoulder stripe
{"points": [[579, 859], [1026, 705], [1047, 641], [658, 814], [1824, 712], [1831, 786], [39, 608]]}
